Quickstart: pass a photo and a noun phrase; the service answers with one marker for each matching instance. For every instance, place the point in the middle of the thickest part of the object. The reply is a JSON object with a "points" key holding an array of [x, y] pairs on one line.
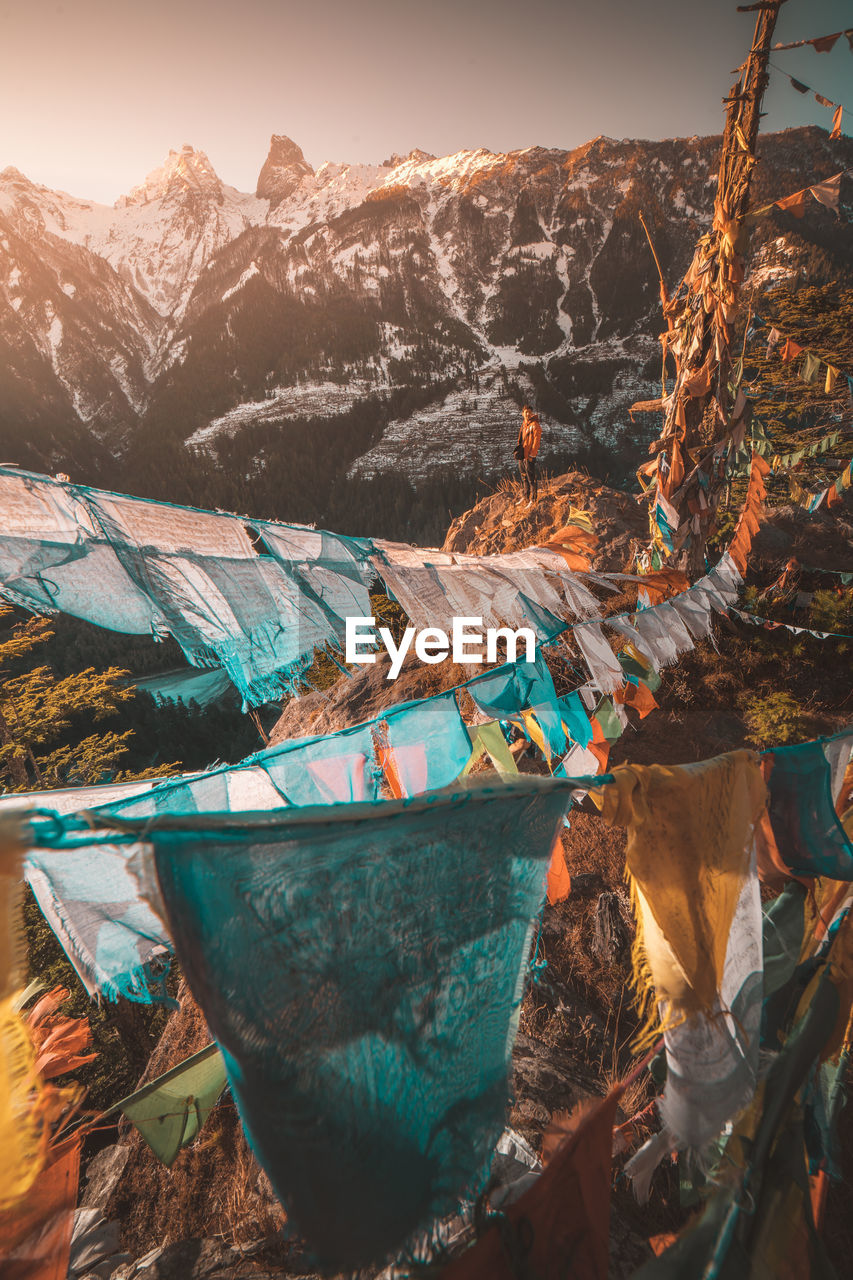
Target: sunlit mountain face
{"points": [[402, 309]]}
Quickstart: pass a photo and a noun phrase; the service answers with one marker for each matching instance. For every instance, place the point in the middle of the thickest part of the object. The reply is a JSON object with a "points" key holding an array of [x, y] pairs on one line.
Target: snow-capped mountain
{"points": [[443, 289]]}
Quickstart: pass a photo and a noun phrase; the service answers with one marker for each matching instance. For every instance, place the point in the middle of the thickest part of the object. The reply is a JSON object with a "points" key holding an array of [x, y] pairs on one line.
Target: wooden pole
{"points": [[705, 412]]}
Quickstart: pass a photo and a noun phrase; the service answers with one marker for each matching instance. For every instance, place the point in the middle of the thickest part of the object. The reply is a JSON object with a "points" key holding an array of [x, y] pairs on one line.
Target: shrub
{"points": [[830, 611], [773, 719]]}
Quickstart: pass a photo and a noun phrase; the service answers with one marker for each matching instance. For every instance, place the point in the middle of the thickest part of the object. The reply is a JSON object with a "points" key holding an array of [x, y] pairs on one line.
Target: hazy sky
{"points": [[94, 93]]}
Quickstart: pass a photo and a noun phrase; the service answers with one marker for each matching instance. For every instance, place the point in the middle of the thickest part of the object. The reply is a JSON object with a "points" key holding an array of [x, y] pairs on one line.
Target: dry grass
{"points": [[215, 1188]]}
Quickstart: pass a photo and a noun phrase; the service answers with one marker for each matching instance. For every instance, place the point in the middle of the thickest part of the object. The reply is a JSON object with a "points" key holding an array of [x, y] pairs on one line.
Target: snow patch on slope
{"points": [[317, 399]]}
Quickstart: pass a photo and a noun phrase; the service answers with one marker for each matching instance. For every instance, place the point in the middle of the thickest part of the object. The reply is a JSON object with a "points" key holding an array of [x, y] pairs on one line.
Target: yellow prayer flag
{"points": [[22, 1128]]}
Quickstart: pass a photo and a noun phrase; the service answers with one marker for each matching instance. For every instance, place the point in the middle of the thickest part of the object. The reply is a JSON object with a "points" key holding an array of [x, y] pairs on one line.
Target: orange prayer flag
{"points": [[35, 1236], [559, 880], [836, 122], [637, 696], [700, 382], [818, 1187], [599, 746], [795, 204], [561, 1225], [791, 350], [575, 545], [660, 1244], [663, 583], [576, 562], [748, 522], [388, 765]]}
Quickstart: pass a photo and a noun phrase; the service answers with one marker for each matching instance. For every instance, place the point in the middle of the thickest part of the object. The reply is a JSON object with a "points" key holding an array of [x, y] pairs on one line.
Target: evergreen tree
{"points": [[38, 710]]}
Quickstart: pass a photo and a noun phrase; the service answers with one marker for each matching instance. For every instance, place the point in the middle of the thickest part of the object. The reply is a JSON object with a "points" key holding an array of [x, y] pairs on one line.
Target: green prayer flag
{"points": [[611, 726], [171, 1110], [489, 738], [632, 667], [496, 745], [810, 367], [782, 930]]}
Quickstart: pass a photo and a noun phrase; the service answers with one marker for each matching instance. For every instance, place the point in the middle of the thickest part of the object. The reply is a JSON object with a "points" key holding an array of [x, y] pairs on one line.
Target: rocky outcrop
{"points": [[283, 170], [502, 522]]}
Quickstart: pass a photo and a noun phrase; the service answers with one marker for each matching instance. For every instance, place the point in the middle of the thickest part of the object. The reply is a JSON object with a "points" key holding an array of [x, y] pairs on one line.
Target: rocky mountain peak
{"points": [[283, 170], [11, 174], [184, 172], [416, 156]]}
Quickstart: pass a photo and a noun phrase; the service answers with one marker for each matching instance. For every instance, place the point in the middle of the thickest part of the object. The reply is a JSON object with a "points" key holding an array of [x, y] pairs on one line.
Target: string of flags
{"points": [[405, 751], [831, 495], [820, 44], [836, 108], [712, 968], [196, 575], [770, 624], [789, 350], [827, 193], [125, 851], [258, 598], [784, 461], [810, 369]]}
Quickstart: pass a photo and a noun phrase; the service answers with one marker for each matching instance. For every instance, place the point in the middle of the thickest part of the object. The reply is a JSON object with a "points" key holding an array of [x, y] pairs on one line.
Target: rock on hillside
{"points": [[359, 697], [501, 522]]}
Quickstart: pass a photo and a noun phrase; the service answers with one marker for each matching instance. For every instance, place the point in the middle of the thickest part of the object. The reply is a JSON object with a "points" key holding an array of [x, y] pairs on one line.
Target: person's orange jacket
{"points": [[530, 436]]}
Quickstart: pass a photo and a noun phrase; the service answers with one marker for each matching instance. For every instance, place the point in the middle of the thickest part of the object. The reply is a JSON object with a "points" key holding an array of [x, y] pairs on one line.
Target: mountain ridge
{"points": [[192, 315]]}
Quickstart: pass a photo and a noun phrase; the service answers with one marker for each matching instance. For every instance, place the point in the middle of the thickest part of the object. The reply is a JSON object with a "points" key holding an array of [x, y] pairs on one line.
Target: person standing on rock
{"points": [[529, 439]]}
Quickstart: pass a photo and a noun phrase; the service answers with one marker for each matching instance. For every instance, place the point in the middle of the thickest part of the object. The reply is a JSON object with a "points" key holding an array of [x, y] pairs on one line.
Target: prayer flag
{"points": [[560, 1225], [170, 1111], [361, 971]]}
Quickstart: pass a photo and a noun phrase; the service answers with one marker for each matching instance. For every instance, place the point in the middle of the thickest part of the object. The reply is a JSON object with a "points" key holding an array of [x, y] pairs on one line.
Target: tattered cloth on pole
{"points": [[362, 972], [697, 954], [750, 516]]}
